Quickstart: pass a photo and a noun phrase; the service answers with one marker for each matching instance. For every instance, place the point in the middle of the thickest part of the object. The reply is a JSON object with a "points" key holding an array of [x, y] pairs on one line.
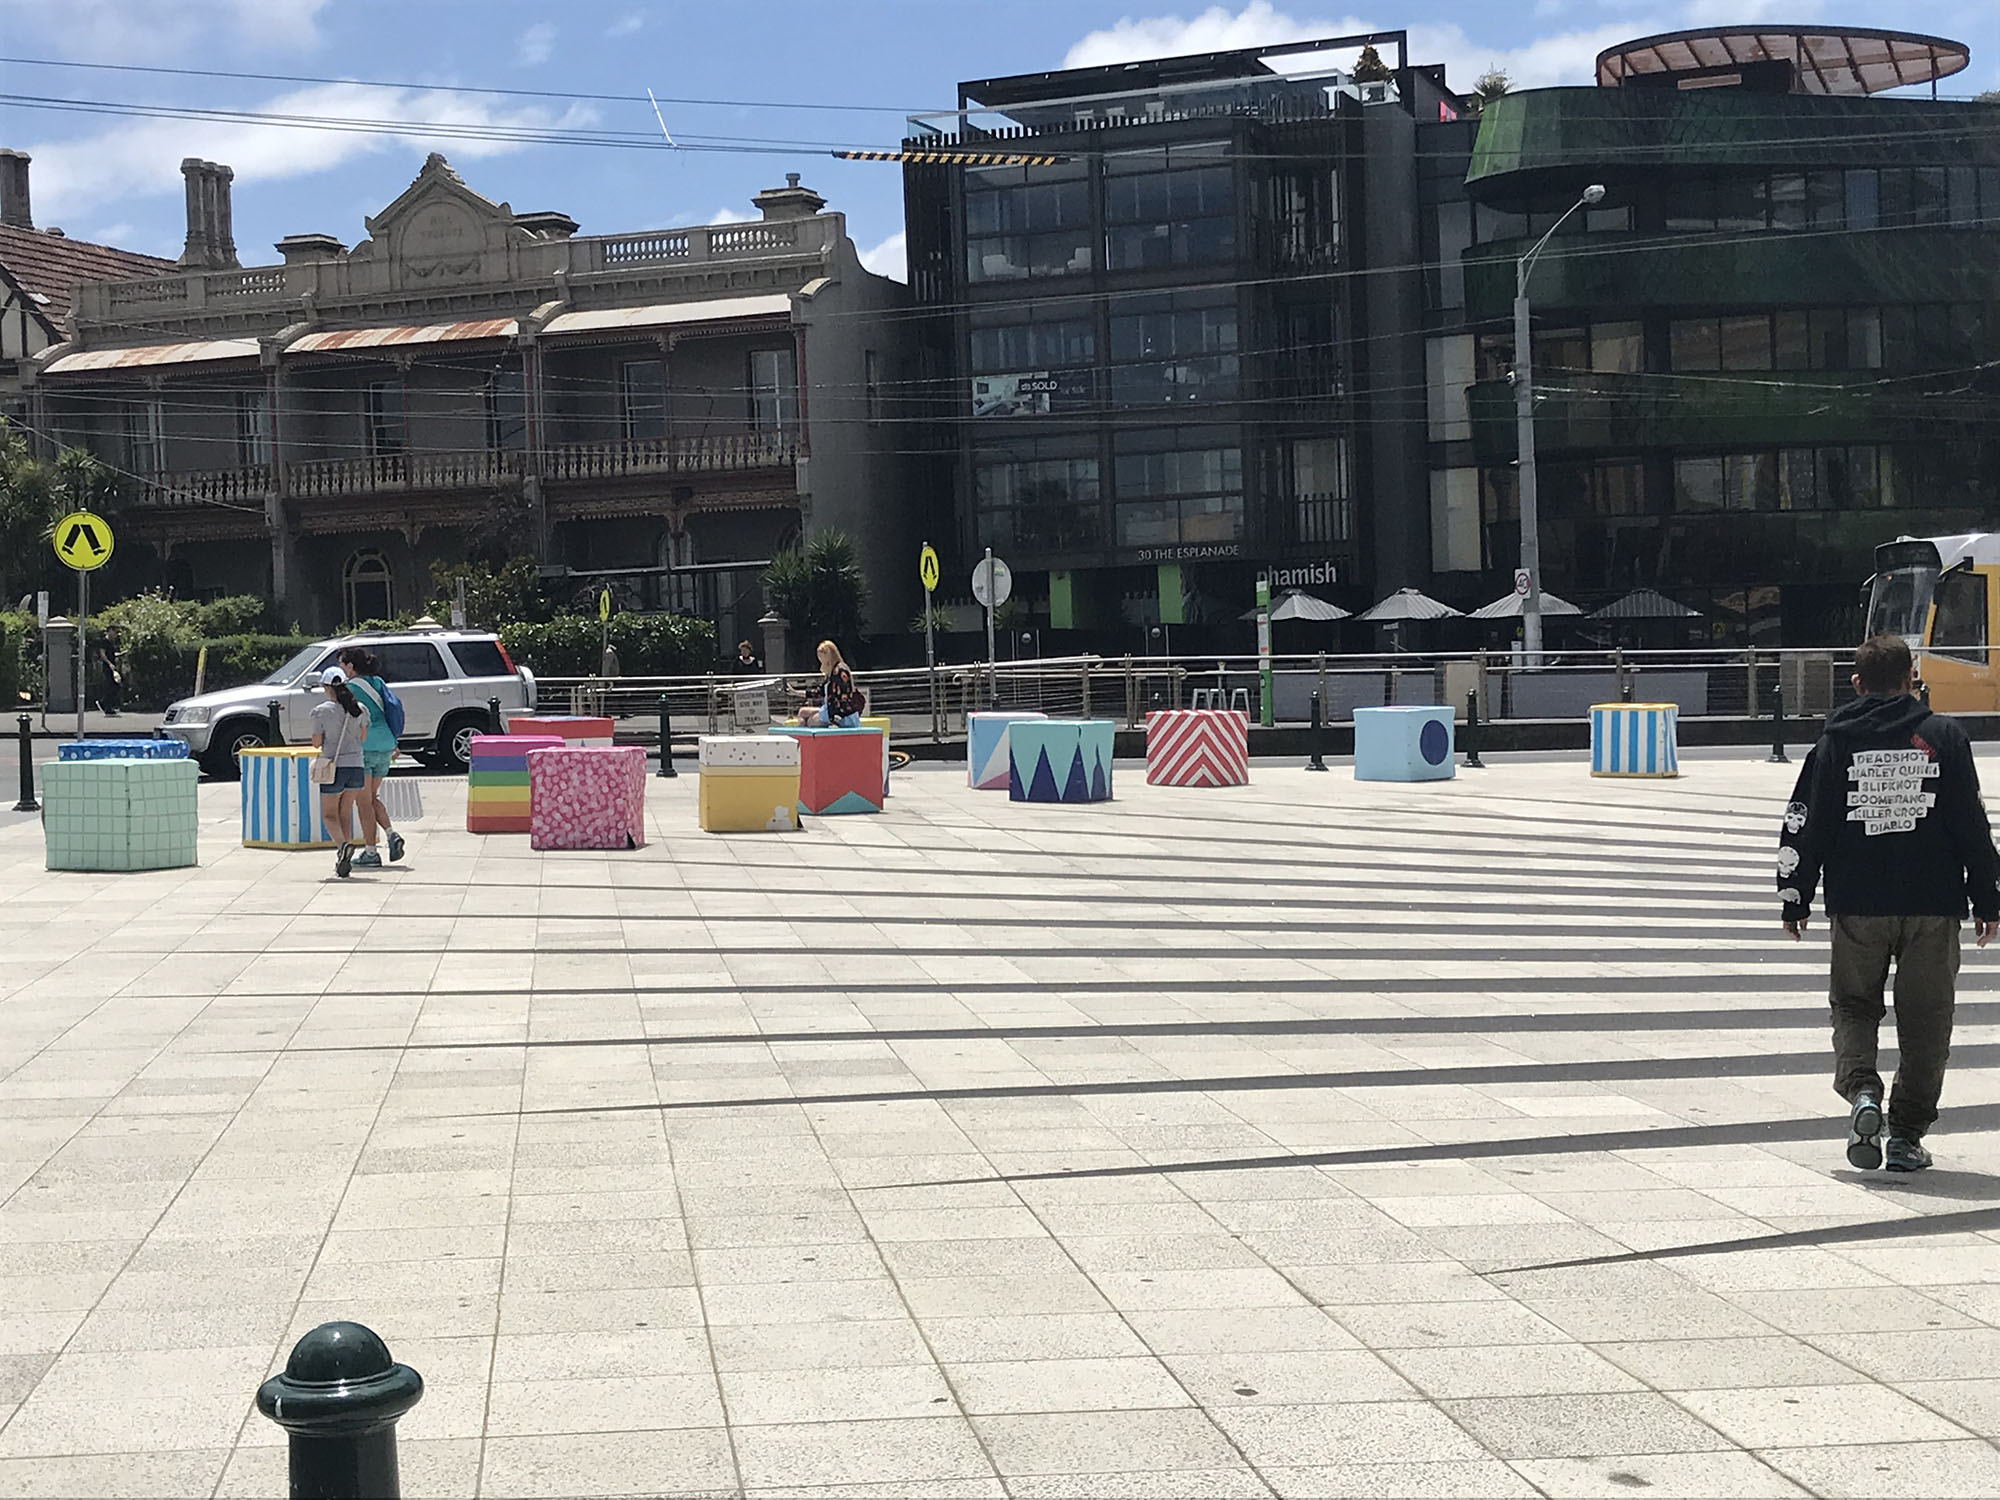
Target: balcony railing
{"points": [[1315, 520], [729, 451], [245, 486], [474, 469]]}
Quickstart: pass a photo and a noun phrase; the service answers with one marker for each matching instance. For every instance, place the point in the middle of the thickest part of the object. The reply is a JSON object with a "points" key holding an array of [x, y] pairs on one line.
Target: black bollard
{"points": [[274, 726], [1317, 763], [1472, 760], [1777, 756], [666, 740], [493, 724], [339, 1400], [27, 802]]}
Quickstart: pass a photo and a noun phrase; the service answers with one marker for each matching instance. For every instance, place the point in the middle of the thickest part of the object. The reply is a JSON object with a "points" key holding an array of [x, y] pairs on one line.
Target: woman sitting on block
{"points": [[840, 701]]}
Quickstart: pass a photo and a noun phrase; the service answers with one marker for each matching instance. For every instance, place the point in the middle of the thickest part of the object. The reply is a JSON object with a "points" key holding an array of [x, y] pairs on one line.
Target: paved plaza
{"points": [[1311, 1139]]}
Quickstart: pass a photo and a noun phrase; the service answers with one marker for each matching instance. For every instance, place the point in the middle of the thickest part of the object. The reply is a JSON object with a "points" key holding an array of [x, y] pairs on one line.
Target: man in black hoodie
{"points": [[1887, 806]]}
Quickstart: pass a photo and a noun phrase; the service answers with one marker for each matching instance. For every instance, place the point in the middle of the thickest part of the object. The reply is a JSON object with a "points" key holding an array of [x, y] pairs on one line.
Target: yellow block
{"points": [[749, 804]]}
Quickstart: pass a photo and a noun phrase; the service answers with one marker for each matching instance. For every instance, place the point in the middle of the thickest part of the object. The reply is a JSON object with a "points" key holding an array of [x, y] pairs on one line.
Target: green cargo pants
{"points": [[1926, 953]]}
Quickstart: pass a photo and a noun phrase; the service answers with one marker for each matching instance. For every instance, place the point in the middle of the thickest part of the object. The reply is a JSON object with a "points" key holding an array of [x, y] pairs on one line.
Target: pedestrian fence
{"points": [[933, 702]]}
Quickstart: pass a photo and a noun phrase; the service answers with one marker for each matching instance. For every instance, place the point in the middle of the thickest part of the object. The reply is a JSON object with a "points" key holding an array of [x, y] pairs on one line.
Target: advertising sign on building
{"points": [[1030, 393]]}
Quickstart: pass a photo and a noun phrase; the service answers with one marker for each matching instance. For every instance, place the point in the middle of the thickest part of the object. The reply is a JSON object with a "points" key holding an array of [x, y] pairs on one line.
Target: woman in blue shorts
{"points": [[339, 728], [377, 751]]}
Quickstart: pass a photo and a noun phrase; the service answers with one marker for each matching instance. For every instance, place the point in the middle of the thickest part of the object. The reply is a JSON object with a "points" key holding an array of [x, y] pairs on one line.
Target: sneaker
{"points": [[368, 859], [1906, 1155], [395, 846], [1864, 1133], [343, 861]]}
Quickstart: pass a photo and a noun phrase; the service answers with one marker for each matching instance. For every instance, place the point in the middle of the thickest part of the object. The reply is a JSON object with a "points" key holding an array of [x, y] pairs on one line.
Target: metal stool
{"points": [[1239, 699]]}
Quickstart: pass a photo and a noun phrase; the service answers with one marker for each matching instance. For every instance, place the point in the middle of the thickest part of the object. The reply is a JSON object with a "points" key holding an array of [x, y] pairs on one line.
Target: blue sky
{"points": [[117, 179]]}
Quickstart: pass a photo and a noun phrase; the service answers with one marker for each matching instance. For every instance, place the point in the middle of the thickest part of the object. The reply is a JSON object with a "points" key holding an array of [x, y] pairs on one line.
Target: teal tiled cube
{"points": [[119, 814]]}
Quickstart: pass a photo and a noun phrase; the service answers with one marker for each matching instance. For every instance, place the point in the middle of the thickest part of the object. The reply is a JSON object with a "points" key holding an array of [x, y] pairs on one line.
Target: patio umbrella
{"points": [[1645, 604], [1511, 607], [1295, 605], [1408, 604]]}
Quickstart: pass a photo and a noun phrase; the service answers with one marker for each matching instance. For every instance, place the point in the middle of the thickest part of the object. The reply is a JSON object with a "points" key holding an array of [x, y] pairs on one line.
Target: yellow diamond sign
{"points": [[83, 541]]}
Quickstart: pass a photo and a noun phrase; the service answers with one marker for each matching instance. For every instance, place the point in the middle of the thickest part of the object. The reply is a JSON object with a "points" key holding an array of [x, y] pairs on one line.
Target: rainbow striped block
{"points": [[1635, 739], [1198, 747], [497, 794]]}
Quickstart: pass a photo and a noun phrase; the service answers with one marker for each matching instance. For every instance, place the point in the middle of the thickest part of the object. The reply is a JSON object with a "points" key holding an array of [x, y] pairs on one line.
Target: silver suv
{"points": [[443, 677]]}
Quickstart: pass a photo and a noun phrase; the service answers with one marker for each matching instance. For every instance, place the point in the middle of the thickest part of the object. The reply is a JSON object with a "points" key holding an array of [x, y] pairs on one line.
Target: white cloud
{"points": [[1748, 12], [626, 25], [142, 158], [1562, 58], [890, 258], [724, 215], [534, 45], [129, 30]]}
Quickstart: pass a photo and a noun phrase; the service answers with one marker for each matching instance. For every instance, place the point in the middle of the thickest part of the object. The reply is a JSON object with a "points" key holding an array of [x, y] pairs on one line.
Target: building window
{"points": [[774, 390], [1790, 479], [1025, 222], [506, 412], [1174, 347], [1170, 491], [388, 434], [367, 587], [1618, 348], [642, 400], [1169, 207], [144, 440], [253, 429], [1038, 501], [1030, 344], [871, 383]]}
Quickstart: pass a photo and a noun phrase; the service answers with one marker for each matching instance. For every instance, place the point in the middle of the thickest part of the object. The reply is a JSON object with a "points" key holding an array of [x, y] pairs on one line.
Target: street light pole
{"points": [[1524, 432]]}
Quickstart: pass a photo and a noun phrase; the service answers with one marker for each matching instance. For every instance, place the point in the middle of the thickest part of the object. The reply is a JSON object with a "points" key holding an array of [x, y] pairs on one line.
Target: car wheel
{"points": [[454, 741], [231, 740]]}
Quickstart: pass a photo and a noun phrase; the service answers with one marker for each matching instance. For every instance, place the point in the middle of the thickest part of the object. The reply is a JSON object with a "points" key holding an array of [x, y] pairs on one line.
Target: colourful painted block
{"points": [[119, 814], [881, 723], [1403, 744], [164, 749], [986, 748], [589, 798], [1198, 747], [280, 801], [749, 783], [1059, 760], [1635, 739], [497, 788], [577, 731], [840, 770]]}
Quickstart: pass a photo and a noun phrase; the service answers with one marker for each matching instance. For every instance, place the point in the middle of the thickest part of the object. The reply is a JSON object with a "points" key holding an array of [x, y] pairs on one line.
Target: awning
{"points": [[147, 356], [1825, 59], [339, 339], [669, 314]]}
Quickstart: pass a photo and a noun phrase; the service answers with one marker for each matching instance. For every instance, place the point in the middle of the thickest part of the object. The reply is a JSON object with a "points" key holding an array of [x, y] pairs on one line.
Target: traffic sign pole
{"points": [[82, 643], [1266, 709], [992, 681], [927, 575]]}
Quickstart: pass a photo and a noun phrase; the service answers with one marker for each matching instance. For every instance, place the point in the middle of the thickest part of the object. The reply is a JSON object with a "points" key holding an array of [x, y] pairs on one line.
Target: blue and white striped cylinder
{"points": [[1634, 739]]}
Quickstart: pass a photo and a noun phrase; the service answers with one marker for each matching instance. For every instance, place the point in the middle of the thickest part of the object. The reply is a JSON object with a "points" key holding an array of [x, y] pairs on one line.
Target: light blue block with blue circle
{"points": [[153, 749], [1403, 744]]}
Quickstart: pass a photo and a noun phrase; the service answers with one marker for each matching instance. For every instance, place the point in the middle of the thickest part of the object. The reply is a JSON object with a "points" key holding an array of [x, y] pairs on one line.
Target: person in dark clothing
{"points": [[747, 663], [1887, 808], [111, 698]]}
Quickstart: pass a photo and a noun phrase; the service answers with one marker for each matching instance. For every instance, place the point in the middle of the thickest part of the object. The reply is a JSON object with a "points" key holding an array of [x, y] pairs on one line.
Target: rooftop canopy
{"points": [[1820, 60]]}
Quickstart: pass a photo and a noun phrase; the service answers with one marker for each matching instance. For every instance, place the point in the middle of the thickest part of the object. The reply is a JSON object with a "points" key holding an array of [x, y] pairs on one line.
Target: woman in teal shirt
{"points": [[378, 750]]}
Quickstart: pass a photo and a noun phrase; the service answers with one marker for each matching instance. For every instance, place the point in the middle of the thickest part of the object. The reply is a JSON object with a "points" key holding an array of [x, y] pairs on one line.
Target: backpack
{"points": [[391, 705]]}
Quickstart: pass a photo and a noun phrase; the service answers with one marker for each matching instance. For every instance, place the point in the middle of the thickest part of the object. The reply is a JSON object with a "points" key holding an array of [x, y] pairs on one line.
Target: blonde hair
{"points": [[827, 648]]}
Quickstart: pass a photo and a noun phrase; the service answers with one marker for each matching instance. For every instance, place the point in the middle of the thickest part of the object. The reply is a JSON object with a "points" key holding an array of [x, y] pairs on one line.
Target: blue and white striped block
{"points": [[1634, 739], [281, 801]]}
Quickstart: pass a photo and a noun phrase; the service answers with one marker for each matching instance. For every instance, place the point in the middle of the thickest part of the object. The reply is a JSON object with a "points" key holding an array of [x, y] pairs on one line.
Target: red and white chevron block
{"points": [[1198, 747]]}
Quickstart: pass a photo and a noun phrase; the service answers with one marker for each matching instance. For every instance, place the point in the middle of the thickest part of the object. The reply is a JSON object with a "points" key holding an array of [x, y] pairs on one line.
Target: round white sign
{"points": [[1521, 581], [1003, 583]]}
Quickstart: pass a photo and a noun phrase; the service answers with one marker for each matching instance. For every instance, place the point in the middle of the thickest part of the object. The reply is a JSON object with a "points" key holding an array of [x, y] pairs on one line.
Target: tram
{"points": [[1942, 595]]}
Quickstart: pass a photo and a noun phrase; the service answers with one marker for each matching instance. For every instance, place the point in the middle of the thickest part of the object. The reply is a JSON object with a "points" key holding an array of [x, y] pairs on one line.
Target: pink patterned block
{"points": [[587, 799]]}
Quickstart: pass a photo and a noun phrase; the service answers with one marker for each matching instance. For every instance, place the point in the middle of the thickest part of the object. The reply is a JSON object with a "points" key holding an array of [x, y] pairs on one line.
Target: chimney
{"points": [[14, 190], [211, 233], [788, 202]]}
